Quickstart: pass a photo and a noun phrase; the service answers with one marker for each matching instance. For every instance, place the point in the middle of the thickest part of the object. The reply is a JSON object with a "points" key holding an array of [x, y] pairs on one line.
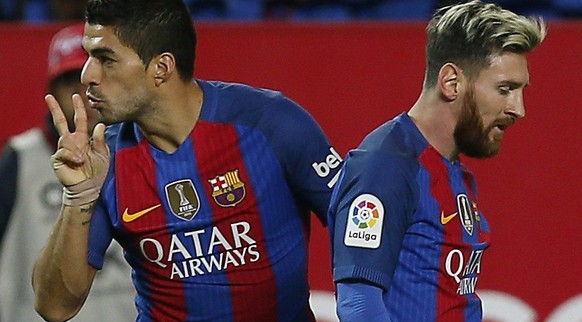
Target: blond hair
{"points": [[469, 34]]}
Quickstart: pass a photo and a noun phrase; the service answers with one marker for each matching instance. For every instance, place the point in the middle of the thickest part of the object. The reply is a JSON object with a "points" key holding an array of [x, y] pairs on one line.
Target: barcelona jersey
{"points": [[218, 230], [406, 219]]}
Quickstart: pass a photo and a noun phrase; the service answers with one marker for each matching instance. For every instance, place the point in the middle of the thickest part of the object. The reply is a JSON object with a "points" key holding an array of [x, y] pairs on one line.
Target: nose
{"points": [[516, 107], [91, 74]]}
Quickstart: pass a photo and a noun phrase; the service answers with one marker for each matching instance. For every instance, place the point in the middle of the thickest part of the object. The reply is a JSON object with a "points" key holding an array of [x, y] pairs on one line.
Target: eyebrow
{"points": [[101, 51], [514, 84]]}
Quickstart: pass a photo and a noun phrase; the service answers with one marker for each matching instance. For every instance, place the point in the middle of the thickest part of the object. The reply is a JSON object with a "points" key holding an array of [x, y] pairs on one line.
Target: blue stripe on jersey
{"points": [[249, 274], [410, 283], [136, 190], [448, 236], [170, 168], [418, 188], [284, 245], [271, 130]]}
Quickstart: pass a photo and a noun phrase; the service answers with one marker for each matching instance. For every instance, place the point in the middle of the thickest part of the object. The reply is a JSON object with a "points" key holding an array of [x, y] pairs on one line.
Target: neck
{"points": [[436, 120], [174, 118]]}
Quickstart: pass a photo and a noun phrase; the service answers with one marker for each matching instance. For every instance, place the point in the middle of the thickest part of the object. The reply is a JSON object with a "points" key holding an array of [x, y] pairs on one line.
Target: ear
{"points": [[450, 81], [164, 65]]}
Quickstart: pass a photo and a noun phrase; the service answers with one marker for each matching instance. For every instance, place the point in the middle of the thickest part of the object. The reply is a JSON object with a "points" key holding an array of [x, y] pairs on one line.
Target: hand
{"points": [[80, 163]]}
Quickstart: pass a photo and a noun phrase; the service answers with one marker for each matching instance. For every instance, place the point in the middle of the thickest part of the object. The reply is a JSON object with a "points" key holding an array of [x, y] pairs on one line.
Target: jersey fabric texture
{"points": [[218, 230], [30, 216], [405, 218]]}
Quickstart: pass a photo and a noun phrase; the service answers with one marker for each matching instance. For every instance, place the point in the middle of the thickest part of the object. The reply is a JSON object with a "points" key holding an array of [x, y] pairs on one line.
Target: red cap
{"points": [[65, 52]]}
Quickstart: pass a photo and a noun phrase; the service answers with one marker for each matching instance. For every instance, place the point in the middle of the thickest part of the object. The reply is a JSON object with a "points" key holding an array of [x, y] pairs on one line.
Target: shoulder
{"points": [[8, 160], [231, 90], [396, 138], [388, 154], [393, 143], [247, 105], [377, 168], [29, 145], [28, 139]]}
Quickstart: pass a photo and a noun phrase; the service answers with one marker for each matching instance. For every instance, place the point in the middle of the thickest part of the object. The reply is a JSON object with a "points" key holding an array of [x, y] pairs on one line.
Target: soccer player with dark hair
{"points": [[208, 186]]}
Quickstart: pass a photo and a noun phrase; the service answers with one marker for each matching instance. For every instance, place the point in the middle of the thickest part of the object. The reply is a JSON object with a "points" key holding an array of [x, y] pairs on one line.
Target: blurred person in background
{"points": [[408, 238], [30, 201], [67, 9], [42, 10]]}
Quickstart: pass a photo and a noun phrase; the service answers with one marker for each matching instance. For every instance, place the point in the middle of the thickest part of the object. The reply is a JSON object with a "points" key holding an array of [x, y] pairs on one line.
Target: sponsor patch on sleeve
{"points": [[364, 224], [326, 168]]}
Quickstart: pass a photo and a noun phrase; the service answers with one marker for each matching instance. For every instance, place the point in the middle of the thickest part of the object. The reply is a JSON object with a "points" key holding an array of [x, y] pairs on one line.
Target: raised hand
{"points": [[80, 162]]}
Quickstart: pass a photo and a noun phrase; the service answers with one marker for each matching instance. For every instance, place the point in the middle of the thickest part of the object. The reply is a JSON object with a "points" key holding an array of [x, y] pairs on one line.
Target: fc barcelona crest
{"points": [[183, 199], [227, 189]]}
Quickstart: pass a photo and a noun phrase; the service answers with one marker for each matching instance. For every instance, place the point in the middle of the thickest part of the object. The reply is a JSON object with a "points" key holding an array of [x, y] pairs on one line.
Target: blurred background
{"points": [[354, 64], [49, 10]]}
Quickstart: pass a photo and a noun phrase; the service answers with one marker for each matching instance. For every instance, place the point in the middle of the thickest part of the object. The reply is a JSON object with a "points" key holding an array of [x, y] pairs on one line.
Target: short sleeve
{"points": [[310, 163], [369, 214]]}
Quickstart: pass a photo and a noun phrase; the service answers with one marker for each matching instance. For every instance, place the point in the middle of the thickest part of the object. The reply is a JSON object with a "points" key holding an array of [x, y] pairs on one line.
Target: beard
{"points": [[471, 136]]}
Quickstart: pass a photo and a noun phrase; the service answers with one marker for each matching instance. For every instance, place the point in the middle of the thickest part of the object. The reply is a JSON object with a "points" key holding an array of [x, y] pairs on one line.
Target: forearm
{"points": [[62, 276], [360, 302]]}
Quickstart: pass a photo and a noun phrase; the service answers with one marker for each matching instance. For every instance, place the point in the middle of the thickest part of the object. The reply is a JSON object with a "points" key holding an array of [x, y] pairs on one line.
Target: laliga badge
{"points": [[364, 224]]}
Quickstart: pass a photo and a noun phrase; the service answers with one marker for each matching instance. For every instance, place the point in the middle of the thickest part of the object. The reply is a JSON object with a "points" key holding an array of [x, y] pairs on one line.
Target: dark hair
{"points": [[150, 27]]}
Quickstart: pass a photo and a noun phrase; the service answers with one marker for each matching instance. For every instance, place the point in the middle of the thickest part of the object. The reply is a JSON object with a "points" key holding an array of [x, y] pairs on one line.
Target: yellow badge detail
{"points": [[127, 217], [445, 219]]}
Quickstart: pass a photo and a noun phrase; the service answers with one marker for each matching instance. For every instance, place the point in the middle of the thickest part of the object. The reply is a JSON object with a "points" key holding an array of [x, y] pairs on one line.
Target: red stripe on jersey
{"points": [[469, 183], [484, 236], [135, 174], [450, 305], [219, 155]]}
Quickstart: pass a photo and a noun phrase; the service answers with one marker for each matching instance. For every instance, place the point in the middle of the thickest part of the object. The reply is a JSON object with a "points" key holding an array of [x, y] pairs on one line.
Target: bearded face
{"points": [[472, 137], [493, 102]]}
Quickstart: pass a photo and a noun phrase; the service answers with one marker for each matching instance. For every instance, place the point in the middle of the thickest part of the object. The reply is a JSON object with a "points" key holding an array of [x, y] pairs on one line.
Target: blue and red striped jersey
{"points": [[218, 230], [405, 218]]}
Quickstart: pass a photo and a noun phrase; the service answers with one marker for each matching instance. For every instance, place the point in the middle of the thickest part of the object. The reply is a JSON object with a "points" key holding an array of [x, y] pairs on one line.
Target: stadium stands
{"points": [[301, 10]]}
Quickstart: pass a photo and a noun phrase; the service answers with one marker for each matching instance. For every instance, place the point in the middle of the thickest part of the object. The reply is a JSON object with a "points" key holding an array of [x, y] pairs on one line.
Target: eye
{"points": [[106, 60], [504, 90]]}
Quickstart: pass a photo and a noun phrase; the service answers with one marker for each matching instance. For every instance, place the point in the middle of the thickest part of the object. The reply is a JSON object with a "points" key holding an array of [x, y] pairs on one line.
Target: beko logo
{"points": [[323, 169]]}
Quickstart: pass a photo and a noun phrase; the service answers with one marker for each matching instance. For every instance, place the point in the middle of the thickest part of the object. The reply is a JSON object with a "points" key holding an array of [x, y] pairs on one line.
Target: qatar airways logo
{"points": [[188, 255], [464, 270]]}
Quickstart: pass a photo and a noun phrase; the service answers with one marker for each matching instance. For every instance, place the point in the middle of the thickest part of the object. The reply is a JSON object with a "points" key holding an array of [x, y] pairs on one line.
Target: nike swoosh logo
{"points": [[127, 217], [445, 219]]}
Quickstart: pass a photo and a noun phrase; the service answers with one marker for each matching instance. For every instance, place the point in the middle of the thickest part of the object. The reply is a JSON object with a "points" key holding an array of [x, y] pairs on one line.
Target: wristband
{"points": [[81, 193]]}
